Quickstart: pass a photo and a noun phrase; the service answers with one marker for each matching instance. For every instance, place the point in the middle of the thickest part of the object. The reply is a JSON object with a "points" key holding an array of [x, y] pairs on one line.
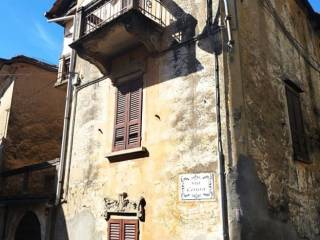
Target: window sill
{"points": [[61, 82], [304, 160], [128, 154]]}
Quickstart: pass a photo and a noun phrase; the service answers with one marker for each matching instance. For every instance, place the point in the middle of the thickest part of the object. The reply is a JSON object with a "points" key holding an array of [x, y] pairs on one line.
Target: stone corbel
{"points": [[149, 36], [124, 206]]}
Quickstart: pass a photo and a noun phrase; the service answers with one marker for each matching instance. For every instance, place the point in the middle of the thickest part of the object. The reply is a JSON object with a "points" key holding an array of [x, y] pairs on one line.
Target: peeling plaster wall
{"points": [[285, 193], [179, 88]]}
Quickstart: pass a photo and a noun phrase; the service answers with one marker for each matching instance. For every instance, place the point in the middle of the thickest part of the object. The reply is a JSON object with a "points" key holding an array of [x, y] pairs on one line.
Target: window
{"points": [[121, 229], [296, 122], [66, 68], [127, 129]]}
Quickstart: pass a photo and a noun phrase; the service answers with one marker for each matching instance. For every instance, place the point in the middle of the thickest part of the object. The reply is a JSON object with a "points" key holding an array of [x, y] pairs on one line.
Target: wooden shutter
{"points": [[119, 139], [127, 132], [134, 115], [296, 124], [130, 229], [122, 229], [115, 229]]}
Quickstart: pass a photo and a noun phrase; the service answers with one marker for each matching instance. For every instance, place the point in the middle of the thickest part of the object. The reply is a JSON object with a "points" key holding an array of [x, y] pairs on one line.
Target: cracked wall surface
{"points": [[290, 188], [35, 116], [178, 130], [279, 197]]}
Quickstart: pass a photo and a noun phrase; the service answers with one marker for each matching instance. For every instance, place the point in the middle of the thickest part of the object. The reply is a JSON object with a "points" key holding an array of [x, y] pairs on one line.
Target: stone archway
{"points": [[28, 228]]}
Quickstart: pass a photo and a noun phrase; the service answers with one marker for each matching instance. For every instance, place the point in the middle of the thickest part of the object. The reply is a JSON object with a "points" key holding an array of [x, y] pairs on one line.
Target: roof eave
{"points": [[59, 8]]}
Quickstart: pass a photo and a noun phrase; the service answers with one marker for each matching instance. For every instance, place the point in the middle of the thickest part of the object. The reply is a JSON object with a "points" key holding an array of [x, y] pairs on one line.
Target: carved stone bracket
{"points": [[124, 206]]}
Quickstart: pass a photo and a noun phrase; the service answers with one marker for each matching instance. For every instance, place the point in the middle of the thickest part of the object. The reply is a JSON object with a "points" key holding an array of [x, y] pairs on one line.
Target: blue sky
{"points": [[315, 4], [24, 30]]}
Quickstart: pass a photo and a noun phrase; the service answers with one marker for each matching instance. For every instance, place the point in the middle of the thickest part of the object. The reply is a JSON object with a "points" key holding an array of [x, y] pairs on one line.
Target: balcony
{"points": [[112, 27], [30, 184]]}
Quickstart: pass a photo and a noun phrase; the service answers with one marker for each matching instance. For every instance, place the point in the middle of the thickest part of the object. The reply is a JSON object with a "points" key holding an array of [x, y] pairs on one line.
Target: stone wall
{"points": [[279, 196], [31, 127], [36, 116]]}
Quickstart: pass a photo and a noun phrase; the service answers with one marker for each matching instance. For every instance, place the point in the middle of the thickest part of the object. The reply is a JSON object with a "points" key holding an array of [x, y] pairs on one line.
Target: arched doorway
{"points": [[28, 228]]}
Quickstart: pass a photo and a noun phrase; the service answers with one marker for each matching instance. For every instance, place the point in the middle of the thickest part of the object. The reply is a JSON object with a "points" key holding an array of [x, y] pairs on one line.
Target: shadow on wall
{"points": [[257, 220], [80, 227], [177, 37], [182, 60], [178, 49], [59, 229]]}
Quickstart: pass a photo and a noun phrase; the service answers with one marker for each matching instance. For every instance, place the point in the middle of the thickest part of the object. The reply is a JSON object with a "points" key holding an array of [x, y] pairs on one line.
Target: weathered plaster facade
{"points": [[33, 122], [178, 131], [183, 88], [269, 194], [281, 198], [31, 128]]}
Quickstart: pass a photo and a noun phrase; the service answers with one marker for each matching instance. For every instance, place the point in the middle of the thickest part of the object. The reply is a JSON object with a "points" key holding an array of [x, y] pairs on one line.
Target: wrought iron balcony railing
{"points": [[104, 11]]}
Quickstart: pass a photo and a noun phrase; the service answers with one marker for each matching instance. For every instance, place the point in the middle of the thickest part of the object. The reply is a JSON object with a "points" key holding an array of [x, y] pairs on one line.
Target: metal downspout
{"points": [[66, 123], [228, 23], [70, 144], [64, 142], [221, 158]]}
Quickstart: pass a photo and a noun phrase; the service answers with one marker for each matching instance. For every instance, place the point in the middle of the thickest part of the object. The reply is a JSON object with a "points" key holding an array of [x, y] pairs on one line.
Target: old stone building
{"points": [[31, 121], [189, 120]]}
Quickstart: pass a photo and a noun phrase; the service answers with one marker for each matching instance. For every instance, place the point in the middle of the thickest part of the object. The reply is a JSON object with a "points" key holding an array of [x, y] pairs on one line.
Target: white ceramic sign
{"points": [[196, 186]]}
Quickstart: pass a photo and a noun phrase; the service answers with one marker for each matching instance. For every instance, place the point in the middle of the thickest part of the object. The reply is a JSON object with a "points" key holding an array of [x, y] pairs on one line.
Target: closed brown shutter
{"points": [[122, 229], [296, 124], [115, 229], [120, 120], [134, 116], [127, 132], [130, 229]]}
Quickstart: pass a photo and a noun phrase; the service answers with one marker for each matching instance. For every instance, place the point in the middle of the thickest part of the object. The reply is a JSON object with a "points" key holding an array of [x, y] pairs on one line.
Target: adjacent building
{"points": [[31, 122]]}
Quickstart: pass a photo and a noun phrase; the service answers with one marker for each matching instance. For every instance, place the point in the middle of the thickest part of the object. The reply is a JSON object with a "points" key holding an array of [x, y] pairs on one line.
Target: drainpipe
{"points": [[64, 142], [209, 13], [70, 144], [228, 24], [221, 158], [235, 129], [61, 19], [66, 123]]}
